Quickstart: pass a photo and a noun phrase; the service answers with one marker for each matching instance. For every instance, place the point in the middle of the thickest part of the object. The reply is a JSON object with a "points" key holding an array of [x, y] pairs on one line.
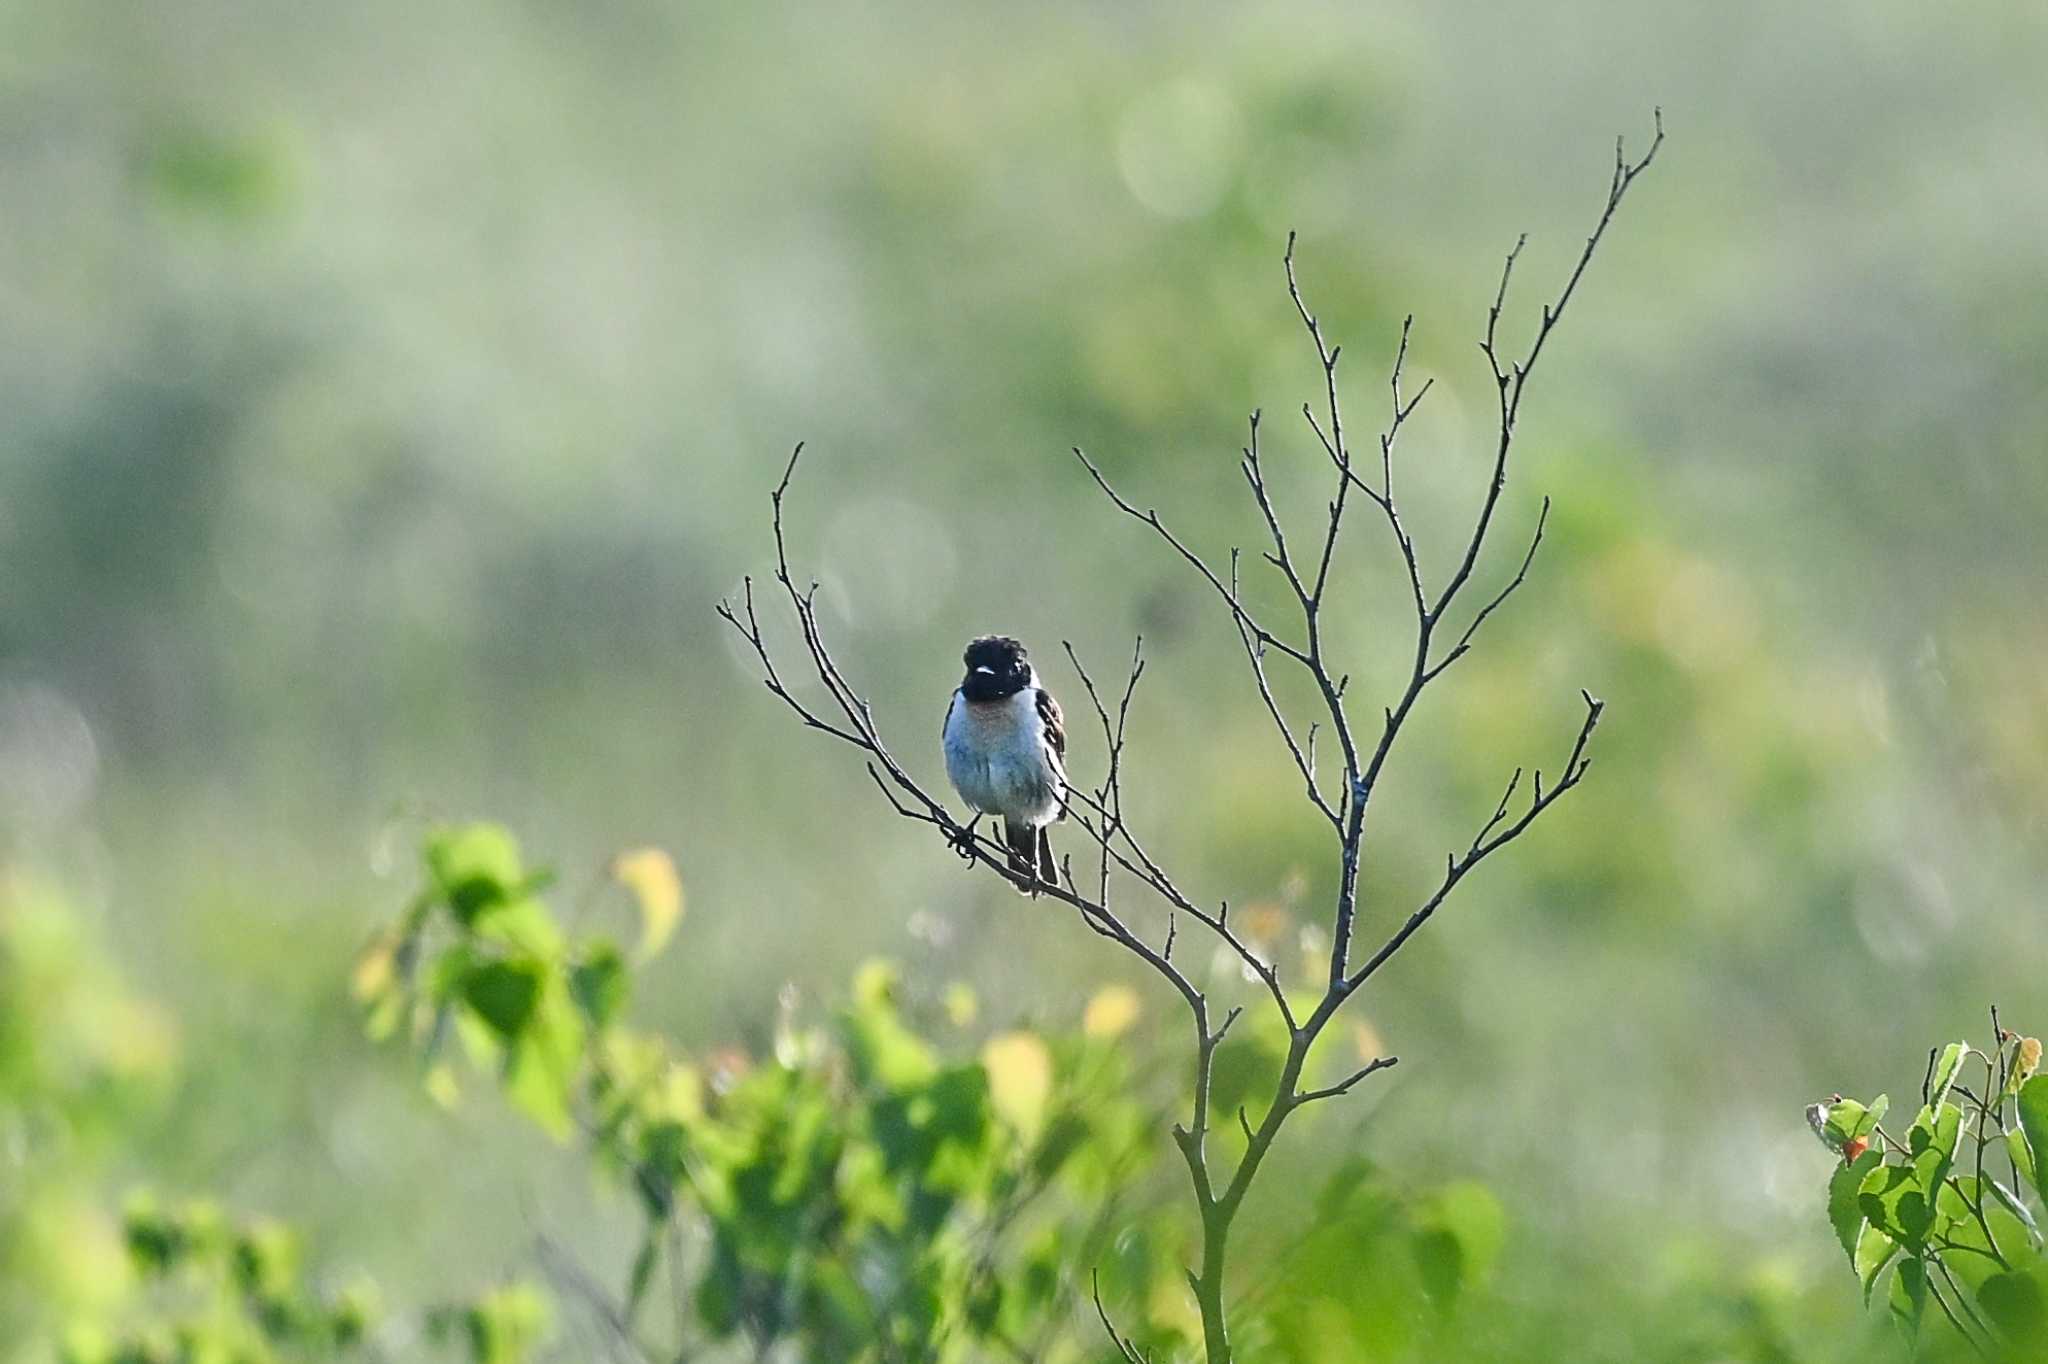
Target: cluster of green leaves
{"points": [[227, 1293], [890, 1182], [856, 1194], [1381, 1266], [83, 1058], [1952, 1210], [235, 1292]]}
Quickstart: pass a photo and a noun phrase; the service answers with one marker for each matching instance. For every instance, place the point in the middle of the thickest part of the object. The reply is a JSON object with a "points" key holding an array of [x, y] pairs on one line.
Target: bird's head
{"points": [[997, 666]]}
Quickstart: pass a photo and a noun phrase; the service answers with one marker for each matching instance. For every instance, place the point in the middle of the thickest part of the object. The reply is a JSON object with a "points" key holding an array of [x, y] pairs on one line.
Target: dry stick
{"points": [[1124, 1347], [563, 1270], [1218, 1199]]}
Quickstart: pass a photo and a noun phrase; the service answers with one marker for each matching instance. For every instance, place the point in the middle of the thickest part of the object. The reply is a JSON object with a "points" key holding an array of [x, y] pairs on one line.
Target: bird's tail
{"points": [[1030, 852]]}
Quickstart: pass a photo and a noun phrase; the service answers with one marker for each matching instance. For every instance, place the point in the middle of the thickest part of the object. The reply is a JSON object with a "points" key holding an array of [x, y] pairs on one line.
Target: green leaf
{"points": [[643, 1272], [1952, 1057], [266, 1259], [353, 1314], [2016, 1304], [1839, 1123], [86, 1344], [1961, 1221], [1908, 1297], [884, 1050], [599, 984], [520, 922], [2018, 1209], [1843, 1210], [507, 1324], [475, 866], [1245, 1068], [541, 1064], [504, 994], [2034, 1122], [2023, 1157], [1936, 1130], [1440, 1262], [1458, 1235], [1897, 1203], [1900, 1199], [1873, 1253], [157, 1240]]}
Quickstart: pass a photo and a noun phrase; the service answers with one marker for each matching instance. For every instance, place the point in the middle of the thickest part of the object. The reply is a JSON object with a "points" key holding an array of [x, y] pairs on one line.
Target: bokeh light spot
{"points": [[1178, 147]]}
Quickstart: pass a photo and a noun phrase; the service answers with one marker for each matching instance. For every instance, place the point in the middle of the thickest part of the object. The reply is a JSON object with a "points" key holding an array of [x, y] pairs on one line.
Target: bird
{"points": [[1006, 747]]}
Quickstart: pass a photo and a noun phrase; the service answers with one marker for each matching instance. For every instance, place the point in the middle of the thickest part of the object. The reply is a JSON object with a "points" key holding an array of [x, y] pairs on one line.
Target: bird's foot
{"points": [[961, 840]]}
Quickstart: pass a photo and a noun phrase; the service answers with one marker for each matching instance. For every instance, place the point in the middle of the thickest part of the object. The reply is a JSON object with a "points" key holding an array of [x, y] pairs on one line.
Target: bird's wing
{"points": [[951, 702], [1055, 726]]}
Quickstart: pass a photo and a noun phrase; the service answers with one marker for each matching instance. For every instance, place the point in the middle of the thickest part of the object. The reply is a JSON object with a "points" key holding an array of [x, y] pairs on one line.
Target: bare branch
{"points": [[1099, 811], [1521, 574], [1512, 380], [1254, 475], [1151, 518], [1344, 1086], [1304, 758], [1488, 842], [1109, 828], [906, 796], [564, 1272], [1125, 1347]]}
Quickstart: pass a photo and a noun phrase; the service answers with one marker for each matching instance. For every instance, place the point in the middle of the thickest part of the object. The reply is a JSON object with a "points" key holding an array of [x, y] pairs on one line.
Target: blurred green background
{"points": [[393, 389]]}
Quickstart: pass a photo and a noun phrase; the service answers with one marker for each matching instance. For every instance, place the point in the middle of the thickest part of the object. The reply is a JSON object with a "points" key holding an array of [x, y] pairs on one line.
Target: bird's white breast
{"points": [[996, 757]]}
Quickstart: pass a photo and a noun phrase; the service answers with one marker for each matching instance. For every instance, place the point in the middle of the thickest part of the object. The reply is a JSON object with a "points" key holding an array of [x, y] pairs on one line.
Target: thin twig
{"points": [[1125, 1347]]}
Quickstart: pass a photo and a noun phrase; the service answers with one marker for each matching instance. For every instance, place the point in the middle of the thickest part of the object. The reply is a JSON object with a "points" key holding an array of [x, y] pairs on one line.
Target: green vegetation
{"points": [[391, 394], [862, 1191], [1932, 1213]]}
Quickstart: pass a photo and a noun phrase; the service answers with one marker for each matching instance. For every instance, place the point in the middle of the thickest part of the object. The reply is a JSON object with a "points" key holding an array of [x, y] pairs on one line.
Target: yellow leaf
{"points": [[2028, 1058], [376, 968], [441, 1085], [961, 1004], [1111, 1012], [650, 874], [1019, 1078]]}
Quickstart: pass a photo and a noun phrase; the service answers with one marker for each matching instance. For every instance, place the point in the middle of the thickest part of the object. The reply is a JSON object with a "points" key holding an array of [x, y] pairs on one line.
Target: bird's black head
{"points": [[997, 666]]}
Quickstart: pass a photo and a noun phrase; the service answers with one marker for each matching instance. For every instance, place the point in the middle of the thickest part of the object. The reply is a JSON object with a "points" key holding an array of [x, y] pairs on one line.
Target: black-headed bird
{"points": [[1006, 747]]}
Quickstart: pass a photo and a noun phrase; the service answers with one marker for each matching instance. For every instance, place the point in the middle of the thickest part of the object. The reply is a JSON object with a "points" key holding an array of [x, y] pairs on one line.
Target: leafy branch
{"points": [[1932, 1208]]}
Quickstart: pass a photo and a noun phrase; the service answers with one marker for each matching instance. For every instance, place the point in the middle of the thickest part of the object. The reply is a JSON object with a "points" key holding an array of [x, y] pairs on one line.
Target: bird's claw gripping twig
{"points": [[961, 840]]}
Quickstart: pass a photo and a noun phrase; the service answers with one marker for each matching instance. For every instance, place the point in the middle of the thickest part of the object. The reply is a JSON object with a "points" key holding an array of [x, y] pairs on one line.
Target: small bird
{"points": [[1006, 746]]}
